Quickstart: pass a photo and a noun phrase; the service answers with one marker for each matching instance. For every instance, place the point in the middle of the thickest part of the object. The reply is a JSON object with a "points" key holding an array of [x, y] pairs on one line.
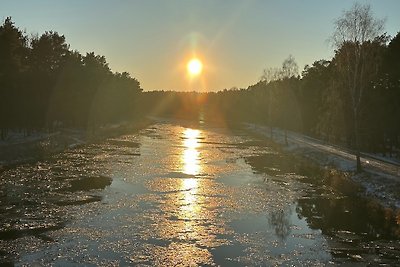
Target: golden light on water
{"points": [[189, 186], [189, 203], [189, 200], [191, 156], [191, 141], [191, 165]]}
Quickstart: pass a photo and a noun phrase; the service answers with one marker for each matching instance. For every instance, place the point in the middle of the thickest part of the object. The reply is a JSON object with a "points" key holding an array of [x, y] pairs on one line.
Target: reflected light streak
{"points": [[191, 162], [191, 144], [191, 205], [191, 134], [190, 208], [191, 156], [190, 186]]}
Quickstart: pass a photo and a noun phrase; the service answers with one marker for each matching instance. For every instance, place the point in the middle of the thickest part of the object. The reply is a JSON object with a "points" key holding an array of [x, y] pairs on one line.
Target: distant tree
{"points": [[257, 96], [279, 93], [270, 77], [49, 52], [65, 105], [390, 87], [290, 72], [314, 83], [47, 57], [333, 112], [355, 58], [289, 68]]}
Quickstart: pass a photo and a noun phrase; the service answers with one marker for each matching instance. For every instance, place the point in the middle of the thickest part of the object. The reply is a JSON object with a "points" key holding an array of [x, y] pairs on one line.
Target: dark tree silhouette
{"points": [[44, 84], [13, 51]]}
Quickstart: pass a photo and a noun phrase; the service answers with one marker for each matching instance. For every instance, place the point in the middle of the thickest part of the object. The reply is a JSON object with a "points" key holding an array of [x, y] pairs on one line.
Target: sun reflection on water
{"points": [[189, 206], [189, 209], [189, 220], [191, 156]]}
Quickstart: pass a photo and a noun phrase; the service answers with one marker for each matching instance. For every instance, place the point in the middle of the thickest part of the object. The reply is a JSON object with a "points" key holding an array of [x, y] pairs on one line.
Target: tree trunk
{"points": [[286, 142], [359, 167], [270, 114], [270, 132], [356, 141]]}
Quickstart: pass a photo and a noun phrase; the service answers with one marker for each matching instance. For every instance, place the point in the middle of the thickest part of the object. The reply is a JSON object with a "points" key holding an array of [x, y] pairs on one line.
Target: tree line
{"points": [[44, 84], [315, 102], [352, 99]]}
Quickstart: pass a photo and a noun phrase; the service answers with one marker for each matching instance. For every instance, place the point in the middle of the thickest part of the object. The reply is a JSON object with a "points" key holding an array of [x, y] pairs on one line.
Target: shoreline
{"points": [[380, 179], [43, 145]]}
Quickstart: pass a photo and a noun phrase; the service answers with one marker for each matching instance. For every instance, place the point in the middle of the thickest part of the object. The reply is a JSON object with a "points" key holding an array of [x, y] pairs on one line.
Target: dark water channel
{"points": [[180, 196]]}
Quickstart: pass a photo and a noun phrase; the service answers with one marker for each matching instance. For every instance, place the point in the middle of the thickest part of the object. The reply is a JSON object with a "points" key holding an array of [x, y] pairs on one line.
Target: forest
{"points": [[352, 99], [44, 84]]}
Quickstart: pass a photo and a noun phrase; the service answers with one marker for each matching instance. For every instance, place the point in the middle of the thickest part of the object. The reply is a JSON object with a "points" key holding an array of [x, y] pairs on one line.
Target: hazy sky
{"points": [[153, 39]]}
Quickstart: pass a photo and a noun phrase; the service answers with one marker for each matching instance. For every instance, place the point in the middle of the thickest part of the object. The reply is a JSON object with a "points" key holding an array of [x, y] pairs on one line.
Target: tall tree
{"points": [[49, 51], [314, 82], [13, 50], [356, 59], [270, 77], [390, 79], [280, 92], [46, 59], [290, 71]]}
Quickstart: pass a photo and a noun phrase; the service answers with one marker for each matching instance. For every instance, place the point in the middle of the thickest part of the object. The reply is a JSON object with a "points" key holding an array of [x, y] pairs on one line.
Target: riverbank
{"points": [[18, 149], [380, 177]]}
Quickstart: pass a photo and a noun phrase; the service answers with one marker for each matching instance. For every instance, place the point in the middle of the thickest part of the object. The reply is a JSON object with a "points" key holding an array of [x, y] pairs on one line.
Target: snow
{"points": [[15, 137], [381, 176], [18, 148]]}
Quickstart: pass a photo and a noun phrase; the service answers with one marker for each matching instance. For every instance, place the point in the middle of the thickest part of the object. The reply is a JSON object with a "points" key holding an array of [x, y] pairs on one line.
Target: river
{"points": [[184, 195]]}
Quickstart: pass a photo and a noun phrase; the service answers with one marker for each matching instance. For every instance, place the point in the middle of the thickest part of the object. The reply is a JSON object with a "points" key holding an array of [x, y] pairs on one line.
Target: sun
{"points": [[194, 67]]}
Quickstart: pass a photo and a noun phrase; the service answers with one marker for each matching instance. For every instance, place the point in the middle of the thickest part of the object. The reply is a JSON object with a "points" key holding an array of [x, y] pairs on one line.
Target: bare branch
{"points": [[357, 25]]}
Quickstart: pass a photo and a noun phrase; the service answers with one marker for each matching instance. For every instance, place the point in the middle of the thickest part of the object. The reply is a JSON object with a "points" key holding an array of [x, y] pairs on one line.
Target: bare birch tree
{"points": [[355, 31], [270, 76]]}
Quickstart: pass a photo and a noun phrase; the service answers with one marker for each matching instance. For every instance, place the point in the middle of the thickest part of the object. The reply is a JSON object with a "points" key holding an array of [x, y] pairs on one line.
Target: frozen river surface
{"points": [[172, 195]]}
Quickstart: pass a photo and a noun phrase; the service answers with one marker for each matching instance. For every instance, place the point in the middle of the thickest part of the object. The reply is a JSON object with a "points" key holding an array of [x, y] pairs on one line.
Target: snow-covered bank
{"points": [[381, 176], [18, 149]]}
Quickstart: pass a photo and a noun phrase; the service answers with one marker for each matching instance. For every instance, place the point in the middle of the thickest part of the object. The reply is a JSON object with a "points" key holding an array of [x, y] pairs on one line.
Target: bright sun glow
{"points": [[194, 66]]}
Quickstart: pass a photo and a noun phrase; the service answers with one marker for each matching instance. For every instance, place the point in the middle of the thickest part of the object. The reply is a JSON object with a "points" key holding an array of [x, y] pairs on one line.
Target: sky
{"points": [[154, 39]]}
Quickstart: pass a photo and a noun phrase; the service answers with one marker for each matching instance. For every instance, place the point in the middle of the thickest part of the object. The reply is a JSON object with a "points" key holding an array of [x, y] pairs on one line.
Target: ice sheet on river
{"points": [[185, 196]]}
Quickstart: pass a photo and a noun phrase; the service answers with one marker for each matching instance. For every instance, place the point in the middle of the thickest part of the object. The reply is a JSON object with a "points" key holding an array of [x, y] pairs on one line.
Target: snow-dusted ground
{"points": [[18, 137], [17, 148], [381, 176]]}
